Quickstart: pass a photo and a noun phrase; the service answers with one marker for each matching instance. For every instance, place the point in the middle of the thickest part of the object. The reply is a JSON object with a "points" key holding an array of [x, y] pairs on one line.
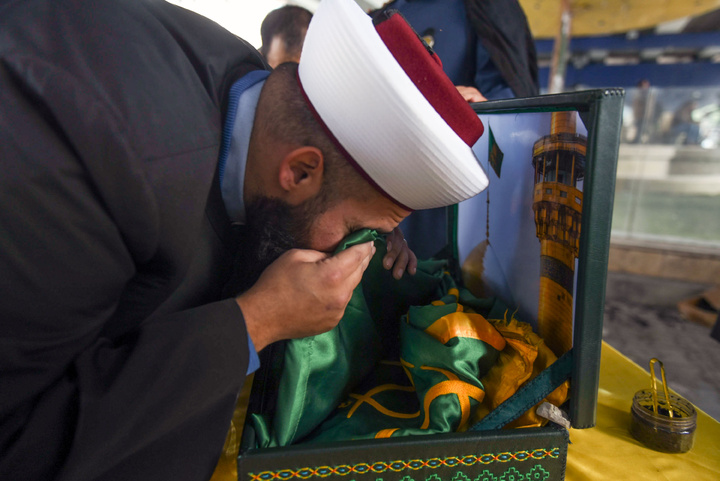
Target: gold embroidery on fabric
{"points": [[368, 398], [463, 390], [453, 291], [406, 367], [385, 433]]}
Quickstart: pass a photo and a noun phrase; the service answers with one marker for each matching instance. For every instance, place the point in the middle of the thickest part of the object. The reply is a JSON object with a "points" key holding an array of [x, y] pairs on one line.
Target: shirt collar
{"points": [[236, 142]]}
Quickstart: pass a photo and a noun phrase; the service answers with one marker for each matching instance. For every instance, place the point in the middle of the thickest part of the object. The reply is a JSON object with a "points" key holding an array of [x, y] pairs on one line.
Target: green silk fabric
{"points": [[379, 373]]}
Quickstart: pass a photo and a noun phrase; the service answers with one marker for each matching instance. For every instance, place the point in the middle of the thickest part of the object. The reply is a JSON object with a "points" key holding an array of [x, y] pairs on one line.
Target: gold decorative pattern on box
{"points": [[537, 473]]}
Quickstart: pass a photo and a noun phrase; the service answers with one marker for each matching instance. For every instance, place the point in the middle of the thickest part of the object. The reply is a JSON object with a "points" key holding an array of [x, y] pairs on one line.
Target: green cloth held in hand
{"points": [[323, 378]]}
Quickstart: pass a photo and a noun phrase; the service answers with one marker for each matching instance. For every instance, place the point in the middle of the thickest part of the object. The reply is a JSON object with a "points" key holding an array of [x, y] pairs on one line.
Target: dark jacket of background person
{"points": [[117, 354], [502, 28], [499, 27]]}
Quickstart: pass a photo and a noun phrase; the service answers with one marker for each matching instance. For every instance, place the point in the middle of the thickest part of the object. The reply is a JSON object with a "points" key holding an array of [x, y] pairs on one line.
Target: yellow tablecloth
{"points": [[609, 452]]}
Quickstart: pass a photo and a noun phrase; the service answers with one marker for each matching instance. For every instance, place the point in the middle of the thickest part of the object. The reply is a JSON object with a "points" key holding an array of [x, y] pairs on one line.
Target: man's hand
{"points": [[302, 293], [399, 257], [470, 94]]}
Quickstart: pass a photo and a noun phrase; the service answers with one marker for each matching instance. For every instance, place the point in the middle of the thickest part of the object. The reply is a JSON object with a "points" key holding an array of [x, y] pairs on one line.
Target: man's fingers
{"points": [[389, 259], [345, 271], [412, 263], [470, 94], [356, 276], [395, 244], [307, 255], [352, 257], [314, 288], [400, 264]]}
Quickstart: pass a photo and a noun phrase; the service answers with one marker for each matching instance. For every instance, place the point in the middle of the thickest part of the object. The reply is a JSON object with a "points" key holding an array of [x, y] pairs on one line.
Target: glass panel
{"points": [[668, 178]]}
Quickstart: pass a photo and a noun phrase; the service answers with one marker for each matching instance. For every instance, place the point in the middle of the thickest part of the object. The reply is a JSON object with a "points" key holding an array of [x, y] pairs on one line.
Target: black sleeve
{"points": [[154, 404], [503, 29]]}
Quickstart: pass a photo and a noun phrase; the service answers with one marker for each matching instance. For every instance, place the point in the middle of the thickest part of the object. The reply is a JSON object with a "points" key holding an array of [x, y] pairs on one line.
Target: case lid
{"points": [[539, 236]]}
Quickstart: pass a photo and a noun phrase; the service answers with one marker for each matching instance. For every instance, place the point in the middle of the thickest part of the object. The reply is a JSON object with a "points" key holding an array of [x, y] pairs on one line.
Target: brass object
{"points": [[662, 421], [653, 383]]}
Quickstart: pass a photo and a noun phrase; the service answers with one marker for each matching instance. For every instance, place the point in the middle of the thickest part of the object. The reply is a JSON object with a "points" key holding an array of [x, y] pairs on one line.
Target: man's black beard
{"points": [[273, 227]]}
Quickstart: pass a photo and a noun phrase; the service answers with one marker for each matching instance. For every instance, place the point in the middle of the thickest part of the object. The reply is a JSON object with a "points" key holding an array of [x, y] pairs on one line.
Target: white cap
{"points": [[381, 93]]}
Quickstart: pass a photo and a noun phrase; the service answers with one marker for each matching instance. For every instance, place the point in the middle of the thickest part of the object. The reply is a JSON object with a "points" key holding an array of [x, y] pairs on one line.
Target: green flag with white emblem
{"points": [[495, 155]]}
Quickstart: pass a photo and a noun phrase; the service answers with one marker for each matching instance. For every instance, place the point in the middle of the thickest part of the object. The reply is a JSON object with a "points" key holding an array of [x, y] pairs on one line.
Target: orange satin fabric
{"points": [[465, 324], [525, 355]]}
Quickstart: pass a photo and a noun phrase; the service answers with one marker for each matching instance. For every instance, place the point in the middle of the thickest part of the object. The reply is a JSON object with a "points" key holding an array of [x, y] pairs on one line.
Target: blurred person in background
{"points": [[640, 109], [283, 33], [684, 128]]}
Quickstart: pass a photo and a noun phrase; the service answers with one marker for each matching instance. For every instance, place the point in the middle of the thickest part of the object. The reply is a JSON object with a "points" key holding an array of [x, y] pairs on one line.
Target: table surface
{"points": [[608, 451]]}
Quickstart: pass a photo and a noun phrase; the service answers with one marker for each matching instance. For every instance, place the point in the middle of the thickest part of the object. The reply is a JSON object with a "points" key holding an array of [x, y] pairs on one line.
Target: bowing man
{"points": [[147, 159]]}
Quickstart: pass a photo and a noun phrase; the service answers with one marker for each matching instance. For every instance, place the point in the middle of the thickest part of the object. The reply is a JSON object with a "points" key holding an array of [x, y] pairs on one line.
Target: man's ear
{"points": [[301, 174]]}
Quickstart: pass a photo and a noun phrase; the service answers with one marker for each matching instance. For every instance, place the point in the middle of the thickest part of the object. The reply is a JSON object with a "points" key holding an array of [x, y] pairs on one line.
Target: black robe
{"points": [[118, 357]]}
